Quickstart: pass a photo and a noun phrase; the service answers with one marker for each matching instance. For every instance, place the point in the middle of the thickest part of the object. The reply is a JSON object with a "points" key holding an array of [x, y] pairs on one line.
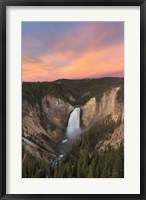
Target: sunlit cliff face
{"points": [[74, 50]]}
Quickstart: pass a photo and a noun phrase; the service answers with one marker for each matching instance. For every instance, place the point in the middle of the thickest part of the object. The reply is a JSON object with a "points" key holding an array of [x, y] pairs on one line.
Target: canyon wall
{"points": [[44, 123], [106, 106]]}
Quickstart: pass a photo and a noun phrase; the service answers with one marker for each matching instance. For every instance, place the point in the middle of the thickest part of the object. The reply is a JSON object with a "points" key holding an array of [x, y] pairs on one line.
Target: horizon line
{"points": [[72, 79]]}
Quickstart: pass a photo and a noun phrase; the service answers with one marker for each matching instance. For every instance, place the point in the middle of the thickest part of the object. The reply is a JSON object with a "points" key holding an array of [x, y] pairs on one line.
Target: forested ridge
{"points": [[83, 160], [87, 155], [75, 92]]}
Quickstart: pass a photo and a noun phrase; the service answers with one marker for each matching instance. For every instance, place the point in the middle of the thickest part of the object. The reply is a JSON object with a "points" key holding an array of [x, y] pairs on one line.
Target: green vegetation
{"points": [[120, 94], [84, 161], [34, 91], [31, 168], [80, 90]]}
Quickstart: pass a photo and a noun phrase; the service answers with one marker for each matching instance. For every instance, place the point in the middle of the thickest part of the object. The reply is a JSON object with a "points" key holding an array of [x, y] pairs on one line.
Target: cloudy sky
{"points": [[73, 50]]}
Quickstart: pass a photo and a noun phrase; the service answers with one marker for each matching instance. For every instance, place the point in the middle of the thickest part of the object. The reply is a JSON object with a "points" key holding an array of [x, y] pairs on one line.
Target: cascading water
{"points": [[73, 128]]}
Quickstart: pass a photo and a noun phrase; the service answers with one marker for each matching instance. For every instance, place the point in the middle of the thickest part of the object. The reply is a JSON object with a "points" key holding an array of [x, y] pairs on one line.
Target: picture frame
{"points": [[3, 97]]}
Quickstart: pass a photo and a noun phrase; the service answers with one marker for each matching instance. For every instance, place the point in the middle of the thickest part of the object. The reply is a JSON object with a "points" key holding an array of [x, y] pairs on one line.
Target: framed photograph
{"points": [[72, 99]]}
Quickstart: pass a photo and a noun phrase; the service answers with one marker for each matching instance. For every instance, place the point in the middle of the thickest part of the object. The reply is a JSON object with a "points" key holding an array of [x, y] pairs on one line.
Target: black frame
{"points": [[3, 5]]}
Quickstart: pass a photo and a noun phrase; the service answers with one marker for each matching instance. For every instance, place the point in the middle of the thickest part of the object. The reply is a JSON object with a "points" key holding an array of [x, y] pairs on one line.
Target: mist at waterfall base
{"points": [[73, 130]]}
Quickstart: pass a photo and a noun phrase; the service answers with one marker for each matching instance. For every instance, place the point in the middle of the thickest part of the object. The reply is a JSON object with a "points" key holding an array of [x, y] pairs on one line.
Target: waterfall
{"points": [[73, 128]]}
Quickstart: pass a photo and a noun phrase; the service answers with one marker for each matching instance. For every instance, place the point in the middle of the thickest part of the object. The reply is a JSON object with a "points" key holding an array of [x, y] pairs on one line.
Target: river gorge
{"points": [[58, 114]]}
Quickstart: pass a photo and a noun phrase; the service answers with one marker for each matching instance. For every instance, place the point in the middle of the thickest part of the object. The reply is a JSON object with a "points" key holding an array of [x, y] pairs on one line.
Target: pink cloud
{"points": [[78, 54]]}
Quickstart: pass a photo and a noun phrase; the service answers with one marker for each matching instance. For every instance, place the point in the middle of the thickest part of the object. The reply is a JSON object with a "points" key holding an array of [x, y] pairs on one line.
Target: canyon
{"points": [[50, 119]]}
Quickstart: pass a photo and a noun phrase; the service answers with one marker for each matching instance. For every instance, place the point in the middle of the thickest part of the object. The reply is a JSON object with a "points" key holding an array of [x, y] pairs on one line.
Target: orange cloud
{"points": [[89, 51], [90, 63], [96, 63]]}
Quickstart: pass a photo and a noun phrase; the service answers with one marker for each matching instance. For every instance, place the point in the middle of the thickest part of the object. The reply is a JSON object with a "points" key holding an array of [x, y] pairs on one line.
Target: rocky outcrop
{"points": [[42, 153], [45, 122], [56, 110], [31, 123], [108, 105], [89, 112], [94, 111], [113, 141], [43, 125]]}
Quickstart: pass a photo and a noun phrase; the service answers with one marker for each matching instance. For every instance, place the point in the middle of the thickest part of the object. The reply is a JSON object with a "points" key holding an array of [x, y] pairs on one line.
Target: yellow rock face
{"points": [[96, 111]]}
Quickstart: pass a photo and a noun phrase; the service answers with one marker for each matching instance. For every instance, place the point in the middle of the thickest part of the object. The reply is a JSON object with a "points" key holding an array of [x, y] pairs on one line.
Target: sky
{"points": [[72, 50]]}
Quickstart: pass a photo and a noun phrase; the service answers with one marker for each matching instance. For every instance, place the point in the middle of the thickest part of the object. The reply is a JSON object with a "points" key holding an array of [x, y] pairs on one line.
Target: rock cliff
{"points": [[45, 116], [56, 110], [106, 106], [43, 125], [114, 139]]}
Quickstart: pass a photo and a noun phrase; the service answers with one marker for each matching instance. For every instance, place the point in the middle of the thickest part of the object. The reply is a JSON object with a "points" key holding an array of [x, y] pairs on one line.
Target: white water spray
{"points": [[73, 128]]}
